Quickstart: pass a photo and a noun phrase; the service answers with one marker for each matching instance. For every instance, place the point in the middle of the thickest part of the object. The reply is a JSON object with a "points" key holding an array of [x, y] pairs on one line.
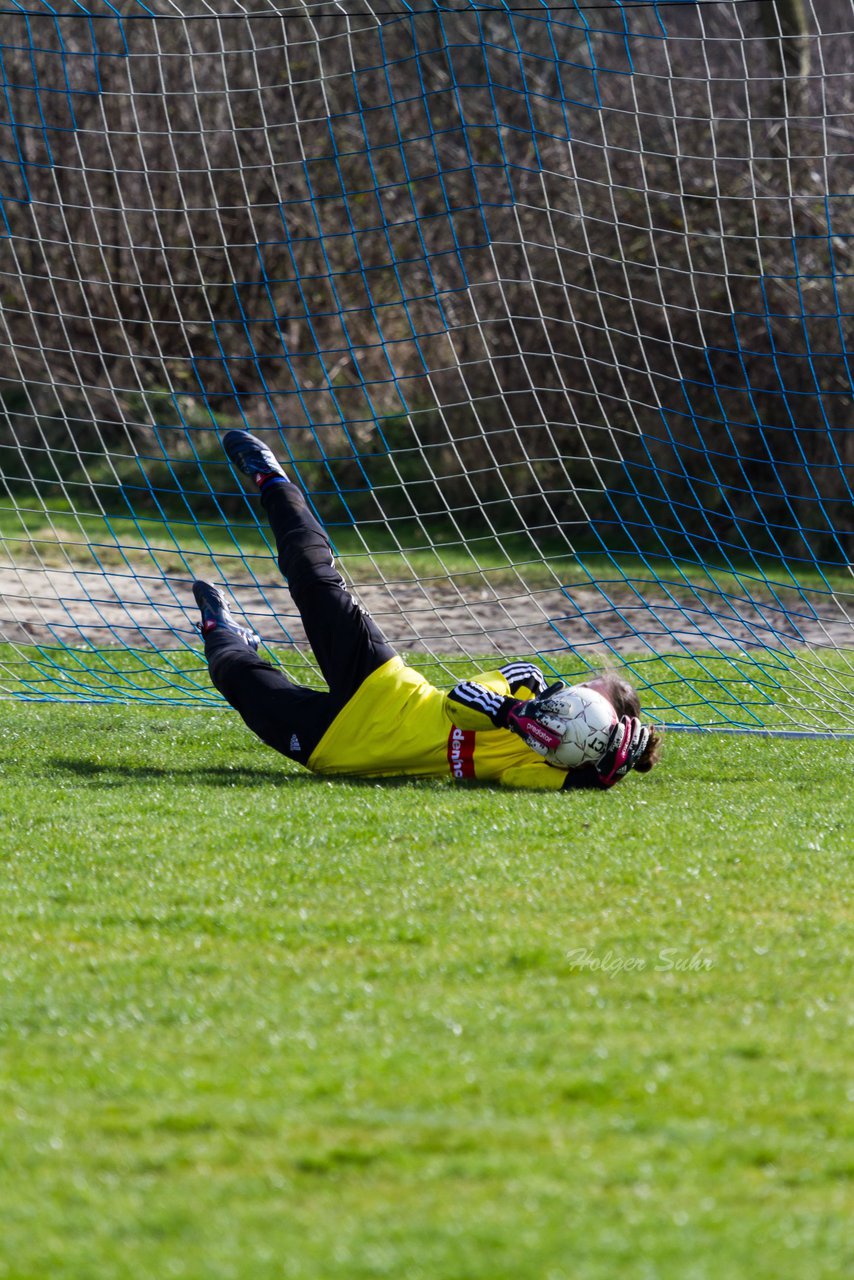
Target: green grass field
{"points": [[256, 1025]]}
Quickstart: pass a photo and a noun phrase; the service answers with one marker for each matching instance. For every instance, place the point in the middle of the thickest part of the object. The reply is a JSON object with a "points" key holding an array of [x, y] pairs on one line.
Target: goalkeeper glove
{"points": [[529, 721], [629, 739]]}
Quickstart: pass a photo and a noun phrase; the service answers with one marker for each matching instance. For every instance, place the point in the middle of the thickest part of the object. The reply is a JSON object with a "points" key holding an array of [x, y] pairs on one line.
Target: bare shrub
{"points": [[507, 271]]}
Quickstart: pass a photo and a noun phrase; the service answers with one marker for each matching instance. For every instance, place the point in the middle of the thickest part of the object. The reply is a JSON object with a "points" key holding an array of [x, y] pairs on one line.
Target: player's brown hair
{"points": [[625, 701]]}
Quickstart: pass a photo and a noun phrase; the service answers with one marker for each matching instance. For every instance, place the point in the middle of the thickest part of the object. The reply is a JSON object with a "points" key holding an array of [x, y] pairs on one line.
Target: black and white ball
{"points": [[586, 720]]}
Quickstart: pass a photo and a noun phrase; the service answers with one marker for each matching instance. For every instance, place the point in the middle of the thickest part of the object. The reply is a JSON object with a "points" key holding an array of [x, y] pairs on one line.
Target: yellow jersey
{"points": [[397, 723]]}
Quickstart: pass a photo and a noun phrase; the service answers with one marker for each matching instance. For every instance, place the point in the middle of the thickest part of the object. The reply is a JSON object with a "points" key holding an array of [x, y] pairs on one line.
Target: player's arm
{"points": [[473, 705], [524, 677]]}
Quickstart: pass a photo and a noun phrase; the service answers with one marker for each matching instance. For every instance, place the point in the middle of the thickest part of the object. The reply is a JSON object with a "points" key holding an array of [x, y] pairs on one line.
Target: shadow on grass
{"points": [[213, 775], [114, 775]]}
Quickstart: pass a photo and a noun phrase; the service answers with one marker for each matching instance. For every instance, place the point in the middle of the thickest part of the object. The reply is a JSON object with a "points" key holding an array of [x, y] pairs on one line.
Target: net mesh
{"points": [[546, 307]]}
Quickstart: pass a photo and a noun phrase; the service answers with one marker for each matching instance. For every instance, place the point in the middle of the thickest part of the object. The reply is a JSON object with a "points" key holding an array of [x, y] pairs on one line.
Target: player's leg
{"points": [[346, 642], [286, 716]]}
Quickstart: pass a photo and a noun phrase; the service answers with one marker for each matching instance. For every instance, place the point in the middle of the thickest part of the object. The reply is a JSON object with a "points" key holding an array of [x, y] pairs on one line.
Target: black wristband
{"points": [[502, 714], [584, 778]]}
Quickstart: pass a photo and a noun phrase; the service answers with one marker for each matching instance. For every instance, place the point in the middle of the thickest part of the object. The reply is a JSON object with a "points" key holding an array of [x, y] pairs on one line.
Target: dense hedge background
{"points": [[491, 269]]}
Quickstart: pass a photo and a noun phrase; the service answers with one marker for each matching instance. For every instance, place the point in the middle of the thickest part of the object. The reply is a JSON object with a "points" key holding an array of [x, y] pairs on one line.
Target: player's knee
{"points": [[312, 566]]}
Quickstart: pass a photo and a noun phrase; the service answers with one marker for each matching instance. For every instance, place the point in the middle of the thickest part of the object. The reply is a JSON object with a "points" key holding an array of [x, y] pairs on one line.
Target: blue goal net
{"points": [[546, 307]]}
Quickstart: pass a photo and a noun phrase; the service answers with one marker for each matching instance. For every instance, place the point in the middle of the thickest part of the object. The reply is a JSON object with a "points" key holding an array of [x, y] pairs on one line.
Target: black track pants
{"points": [[346, 642]]}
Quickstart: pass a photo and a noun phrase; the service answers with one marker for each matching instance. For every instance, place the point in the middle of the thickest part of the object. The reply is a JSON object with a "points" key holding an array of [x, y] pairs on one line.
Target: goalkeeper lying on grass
{"points": [[380, 718]]}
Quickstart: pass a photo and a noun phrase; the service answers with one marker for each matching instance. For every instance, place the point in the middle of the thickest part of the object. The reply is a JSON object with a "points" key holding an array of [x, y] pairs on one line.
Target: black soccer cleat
{"points": [[216, 614], [252, 456]]}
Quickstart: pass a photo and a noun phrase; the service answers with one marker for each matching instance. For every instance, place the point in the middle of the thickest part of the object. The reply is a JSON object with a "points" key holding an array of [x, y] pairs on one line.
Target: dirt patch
{"points": [[467, 616]]}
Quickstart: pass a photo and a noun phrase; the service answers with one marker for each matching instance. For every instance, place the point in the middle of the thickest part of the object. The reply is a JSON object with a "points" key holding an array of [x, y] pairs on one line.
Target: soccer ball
{"points": [[585, 718]]}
